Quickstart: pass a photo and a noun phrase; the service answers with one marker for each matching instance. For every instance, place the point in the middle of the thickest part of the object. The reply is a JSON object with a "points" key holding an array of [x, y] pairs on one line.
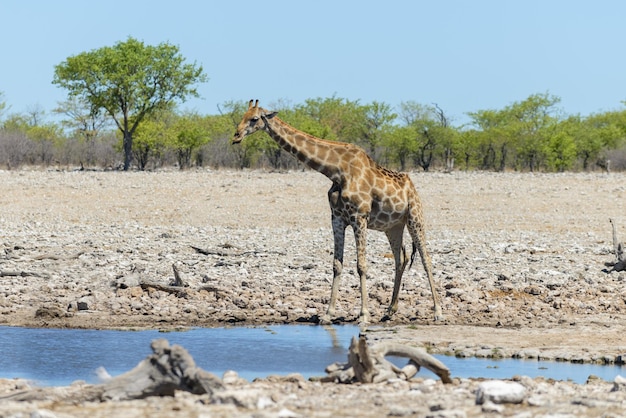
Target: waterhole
{"points": [[61, 356]]}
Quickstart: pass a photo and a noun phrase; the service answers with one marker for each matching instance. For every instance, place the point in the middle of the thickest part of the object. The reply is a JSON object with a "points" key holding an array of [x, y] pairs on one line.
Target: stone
{"points": [[499, 391], [491, 407], [42, 413], [49, 311], [619, 384]]}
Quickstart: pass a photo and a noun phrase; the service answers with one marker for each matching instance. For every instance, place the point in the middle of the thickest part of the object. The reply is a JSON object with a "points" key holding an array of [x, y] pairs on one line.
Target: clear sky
{"points": [[464, 55]]}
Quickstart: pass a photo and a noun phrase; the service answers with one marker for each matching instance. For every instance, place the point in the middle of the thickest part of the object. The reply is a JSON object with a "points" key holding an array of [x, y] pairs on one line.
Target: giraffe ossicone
{"points": [[363, 195]]}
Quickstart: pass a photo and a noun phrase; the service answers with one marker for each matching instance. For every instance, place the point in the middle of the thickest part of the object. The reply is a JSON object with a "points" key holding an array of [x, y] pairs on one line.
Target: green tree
{"points": [[560, 151], [189, 136], [151, 138], [129, 80], [468, 141], [375, 119], [491, 138], [532, 121], [522, 128], [434, 135], [400, 144], [338, 117]]}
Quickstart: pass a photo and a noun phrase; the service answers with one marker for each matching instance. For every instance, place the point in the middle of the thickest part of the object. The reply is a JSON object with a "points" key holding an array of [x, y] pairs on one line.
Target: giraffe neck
{"points": [[316, 153]]}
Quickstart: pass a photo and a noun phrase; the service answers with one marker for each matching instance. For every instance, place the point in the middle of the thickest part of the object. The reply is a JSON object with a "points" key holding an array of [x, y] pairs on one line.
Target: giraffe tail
{"points": [[413, 253]]}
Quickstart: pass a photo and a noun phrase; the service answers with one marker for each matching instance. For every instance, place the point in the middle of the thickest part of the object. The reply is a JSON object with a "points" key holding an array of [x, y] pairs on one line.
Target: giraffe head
{"points": [[253, 120]]}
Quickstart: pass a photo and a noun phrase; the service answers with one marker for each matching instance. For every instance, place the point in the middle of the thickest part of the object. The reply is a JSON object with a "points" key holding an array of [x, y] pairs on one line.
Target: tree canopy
{"points": [[130, 81], [123, 109]]}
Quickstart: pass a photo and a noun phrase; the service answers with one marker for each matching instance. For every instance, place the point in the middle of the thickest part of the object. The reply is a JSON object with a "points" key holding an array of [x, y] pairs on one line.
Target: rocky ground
{"points": [[518, 259]]}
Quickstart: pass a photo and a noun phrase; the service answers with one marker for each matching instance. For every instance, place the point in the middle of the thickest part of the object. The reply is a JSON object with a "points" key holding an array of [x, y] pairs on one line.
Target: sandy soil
{"points": [[518, 259]]}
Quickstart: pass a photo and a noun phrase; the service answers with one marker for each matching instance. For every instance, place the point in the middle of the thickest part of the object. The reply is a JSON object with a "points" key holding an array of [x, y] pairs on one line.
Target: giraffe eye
{"points": [[254, 119]]}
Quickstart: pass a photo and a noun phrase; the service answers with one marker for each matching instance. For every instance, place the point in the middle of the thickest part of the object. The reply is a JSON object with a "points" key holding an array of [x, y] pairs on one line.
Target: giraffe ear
{"points": [[270, 115]]}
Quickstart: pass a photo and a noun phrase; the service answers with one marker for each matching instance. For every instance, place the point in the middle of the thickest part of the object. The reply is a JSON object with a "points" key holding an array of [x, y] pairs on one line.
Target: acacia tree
{"points": [[129, 81], [84, 121]]}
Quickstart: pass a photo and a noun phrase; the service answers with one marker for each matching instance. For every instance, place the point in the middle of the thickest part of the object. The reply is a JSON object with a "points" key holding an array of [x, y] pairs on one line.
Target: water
{"points": [[61, 356]]}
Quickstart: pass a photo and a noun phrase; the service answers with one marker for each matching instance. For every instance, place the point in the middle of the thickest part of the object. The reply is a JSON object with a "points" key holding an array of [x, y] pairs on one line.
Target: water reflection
{"points": [[60, 356]]}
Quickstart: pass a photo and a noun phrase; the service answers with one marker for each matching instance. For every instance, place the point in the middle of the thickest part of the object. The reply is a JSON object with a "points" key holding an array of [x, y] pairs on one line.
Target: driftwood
{"points": [[176, 287], [368, 364], [183, 292], [222, 253], [13, 273], [178, 280], [618, 250], [177, 290], [162, 373]]}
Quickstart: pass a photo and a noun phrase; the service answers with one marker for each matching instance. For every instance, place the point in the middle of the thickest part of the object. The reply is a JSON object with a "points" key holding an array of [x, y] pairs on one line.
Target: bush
{"points": [[617, 157], [16, 149]]}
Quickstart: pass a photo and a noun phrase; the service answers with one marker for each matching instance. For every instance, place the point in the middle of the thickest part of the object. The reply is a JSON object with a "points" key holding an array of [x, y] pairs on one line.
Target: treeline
{"points": [[529, 135]]}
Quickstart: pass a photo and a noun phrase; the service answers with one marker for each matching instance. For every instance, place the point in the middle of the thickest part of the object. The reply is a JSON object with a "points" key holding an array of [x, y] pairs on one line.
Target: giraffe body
{"points": [[363, 195]]}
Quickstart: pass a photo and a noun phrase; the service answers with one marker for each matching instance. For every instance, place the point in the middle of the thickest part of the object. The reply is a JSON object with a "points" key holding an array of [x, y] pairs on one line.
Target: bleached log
{"points": [[418, 358], [368, 364], [168, 369], [162, 373]]}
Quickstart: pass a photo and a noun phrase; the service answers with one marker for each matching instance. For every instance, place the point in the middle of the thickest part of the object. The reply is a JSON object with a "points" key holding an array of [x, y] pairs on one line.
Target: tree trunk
{"points": [[128, 150]]}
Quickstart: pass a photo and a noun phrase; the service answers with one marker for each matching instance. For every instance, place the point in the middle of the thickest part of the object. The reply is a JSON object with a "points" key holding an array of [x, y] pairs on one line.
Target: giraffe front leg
{"points": [[360, 235], [339, 233]]}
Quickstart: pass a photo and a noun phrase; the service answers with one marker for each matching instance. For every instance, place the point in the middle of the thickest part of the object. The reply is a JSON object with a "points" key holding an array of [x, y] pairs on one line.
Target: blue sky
{"points": [[462, 55]]}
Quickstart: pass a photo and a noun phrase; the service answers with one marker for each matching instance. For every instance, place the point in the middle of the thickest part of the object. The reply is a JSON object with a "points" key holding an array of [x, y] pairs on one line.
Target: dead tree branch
{"points": [[368, 365], [10, 273], [178, 281], [221, 253], [176, 290], [618, 250]]}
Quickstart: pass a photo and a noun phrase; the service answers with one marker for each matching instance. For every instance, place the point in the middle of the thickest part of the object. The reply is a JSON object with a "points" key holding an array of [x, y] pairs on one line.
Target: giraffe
{"points": [[363, 195]]}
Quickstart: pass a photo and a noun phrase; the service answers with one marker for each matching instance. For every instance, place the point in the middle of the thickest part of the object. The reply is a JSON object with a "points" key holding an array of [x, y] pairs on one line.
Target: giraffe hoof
{"points": [[325, 320], [439, 315]]}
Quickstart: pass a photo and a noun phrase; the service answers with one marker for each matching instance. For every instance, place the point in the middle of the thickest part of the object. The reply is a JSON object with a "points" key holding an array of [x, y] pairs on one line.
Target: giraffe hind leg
{"points": [[416, 229], [399, 255]]}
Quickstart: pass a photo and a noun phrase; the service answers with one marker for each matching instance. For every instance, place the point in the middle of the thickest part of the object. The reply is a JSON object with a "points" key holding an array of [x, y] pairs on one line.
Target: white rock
{"points": [[102, 374], [42, 413], [498, 391]]}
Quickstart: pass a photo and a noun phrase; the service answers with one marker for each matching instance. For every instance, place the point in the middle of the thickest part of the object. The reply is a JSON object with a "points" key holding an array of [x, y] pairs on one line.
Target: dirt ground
{"points": [[519, 261]]}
